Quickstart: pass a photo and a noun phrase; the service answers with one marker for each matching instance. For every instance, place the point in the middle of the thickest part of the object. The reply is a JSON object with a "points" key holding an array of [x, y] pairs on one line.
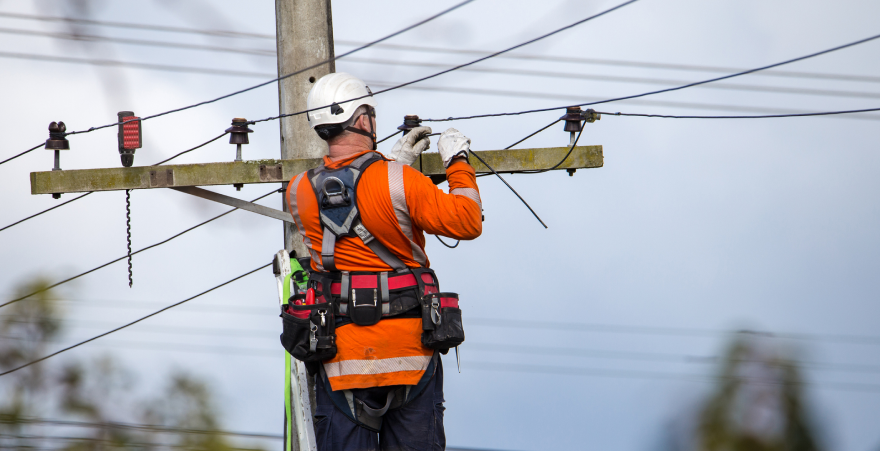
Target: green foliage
{"points": [[758, 405], [90, 405]]}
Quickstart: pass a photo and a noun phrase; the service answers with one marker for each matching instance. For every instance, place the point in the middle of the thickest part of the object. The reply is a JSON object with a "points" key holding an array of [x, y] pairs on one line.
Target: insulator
{"points": [[238, 132]]}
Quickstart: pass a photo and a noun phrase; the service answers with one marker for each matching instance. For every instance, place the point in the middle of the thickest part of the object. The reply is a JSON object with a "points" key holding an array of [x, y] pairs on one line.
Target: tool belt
{"points": [[365, 298]]}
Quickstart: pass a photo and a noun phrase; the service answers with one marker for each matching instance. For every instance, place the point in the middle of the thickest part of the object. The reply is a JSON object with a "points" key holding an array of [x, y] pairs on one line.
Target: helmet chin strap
{"points": [[372, 133]]}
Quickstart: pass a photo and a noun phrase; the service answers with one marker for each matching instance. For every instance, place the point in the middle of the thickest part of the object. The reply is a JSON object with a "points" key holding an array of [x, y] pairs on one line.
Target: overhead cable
{"points": [[127, 25], [764, 116], [133, 253], [454, 68], [401, 47], [622, 63], [581, 98], [135, 426], [655, 375], [138, 42], [133, 322], [26, 151], [660, 91], [241, 91], [46, 211], [627, 79]]}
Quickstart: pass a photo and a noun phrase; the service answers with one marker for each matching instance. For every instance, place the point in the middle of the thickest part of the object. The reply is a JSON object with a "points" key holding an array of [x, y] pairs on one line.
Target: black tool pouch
{"points": [[364, 304], [441, 321], [311, 339]]}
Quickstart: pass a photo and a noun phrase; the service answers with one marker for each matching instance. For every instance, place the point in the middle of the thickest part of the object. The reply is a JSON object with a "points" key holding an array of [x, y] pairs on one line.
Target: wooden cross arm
{"points": [[268, 171]]}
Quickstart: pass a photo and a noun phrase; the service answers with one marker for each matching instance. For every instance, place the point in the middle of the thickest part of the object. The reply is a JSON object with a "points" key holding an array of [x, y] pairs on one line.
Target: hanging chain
{"points": [[128, 232]]}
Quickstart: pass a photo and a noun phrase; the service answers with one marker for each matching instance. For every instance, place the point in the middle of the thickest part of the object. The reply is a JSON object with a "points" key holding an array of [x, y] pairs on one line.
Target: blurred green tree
{"points": [[91, 405]]}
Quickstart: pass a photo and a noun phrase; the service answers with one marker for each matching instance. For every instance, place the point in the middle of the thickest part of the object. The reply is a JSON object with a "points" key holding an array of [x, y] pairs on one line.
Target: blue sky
{"points": [[691, 224]]}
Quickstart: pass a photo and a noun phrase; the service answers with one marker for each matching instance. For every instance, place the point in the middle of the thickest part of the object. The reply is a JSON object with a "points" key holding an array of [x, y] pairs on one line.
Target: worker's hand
{"points": [[452, 144], [411, 145]]}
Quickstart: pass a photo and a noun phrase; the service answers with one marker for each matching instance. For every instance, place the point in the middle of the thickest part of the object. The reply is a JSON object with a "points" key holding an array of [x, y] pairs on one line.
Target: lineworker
{"points": [[383, 388]]}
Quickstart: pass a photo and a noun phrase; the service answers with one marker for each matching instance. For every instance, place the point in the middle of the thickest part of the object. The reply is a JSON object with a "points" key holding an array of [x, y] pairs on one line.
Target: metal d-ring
{"points": [[341, 191]]}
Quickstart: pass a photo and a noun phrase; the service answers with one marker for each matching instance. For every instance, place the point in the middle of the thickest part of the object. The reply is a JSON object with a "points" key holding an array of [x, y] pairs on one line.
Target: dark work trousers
{"points": [[416, 426]]}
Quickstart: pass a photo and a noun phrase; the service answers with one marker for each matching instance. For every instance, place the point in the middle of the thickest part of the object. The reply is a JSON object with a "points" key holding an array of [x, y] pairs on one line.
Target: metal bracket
{"points": [[233, 202]]}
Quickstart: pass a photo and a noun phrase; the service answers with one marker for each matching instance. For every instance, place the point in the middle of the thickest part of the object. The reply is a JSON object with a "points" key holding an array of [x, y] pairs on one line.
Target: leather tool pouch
{"points": [[310, 338], [441, 321]]}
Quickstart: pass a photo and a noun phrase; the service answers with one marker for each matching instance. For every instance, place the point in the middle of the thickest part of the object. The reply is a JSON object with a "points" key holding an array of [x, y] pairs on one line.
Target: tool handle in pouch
{"points": [[441, 321], [309, 331]]}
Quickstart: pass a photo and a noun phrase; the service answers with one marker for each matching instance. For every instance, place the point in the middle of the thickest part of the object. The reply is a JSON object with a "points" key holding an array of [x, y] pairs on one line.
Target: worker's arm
{"points": [[458, 214]]}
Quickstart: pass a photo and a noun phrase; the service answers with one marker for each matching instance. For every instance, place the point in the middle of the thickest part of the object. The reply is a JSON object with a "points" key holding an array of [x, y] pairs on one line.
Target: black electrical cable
{"points": [[46, 211], [457, 242], [190, 150], [241, 91], [389, 136], [90, 192], [676, 88], [508, 185], [133, 253], [135, 321], [418, 80], [134, 426], [570, 150], [764, 116], [26, 151]]}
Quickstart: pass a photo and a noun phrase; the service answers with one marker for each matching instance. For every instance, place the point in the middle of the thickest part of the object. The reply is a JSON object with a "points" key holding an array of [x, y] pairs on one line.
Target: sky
{"points": [[692, 230]]}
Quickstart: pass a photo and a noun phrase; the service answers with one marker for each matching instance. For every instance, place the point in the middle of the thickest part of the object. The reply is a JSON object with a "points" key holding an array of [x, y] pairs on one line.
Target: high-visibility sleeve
{"points": [[457, 214]]}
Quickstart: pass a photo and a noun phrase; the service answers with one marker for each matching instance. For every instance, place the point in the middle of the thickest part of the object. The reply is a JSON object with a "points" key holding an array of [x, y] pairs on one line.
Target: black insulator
{"points": [[410, 121], [573, 119], [238, 132], [57, 140]]}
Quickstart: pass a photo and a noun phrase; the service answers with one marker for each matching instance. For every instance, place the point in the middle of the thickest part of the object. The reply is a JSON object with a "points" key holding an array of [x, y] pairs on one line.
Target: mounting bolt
{"points": [[238, 135], [238, 186]]}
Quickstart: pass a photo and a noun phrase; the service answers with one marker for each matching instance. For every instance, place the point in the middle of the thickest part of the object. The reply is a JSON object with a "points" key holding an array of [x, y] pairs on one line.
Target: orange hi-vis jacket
{"points": [[397, 205]]}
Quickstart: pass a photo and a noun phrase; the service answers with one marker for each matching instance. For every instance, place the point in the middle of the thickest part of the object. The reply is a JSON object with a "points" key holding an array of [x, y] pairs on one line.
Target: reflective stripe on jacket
{"points": [[397, 205]]}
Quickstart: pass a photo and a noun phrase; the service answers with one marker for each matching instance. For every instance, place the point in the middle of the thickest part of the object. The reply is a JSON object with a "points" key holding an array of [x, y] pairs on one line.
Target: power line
{"points": [[646, 102], [667, 331], [138, 42], [45, 211], [127, 25], [134, 65], [676, 88], [653, 375], [134, 426], [271, 53], [334, 58], [133, 322], [126, 256], [454, 68], [26, 151], [625, 79], [766, 116], [425, 49], [489, 347], [625, 63]]}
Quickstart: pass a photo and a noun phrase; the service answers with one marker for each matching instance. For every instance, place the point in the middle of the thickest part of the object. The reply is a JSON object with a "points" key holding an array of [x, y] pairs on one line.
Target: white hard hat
{"points": [[334, 92]]}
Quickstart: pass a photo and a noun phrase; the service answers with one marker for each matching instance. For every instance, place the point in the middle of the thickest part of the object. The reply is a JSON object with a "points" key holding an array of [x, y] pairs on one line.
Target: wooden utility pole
{"points": [[304, 34]]}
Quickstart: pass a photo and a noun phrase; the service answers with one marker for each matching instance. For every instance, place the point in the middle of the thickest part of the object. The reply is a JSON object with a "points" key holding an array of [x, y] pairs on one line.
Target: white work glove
{"points": [[453, 144], [411, 145]]}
